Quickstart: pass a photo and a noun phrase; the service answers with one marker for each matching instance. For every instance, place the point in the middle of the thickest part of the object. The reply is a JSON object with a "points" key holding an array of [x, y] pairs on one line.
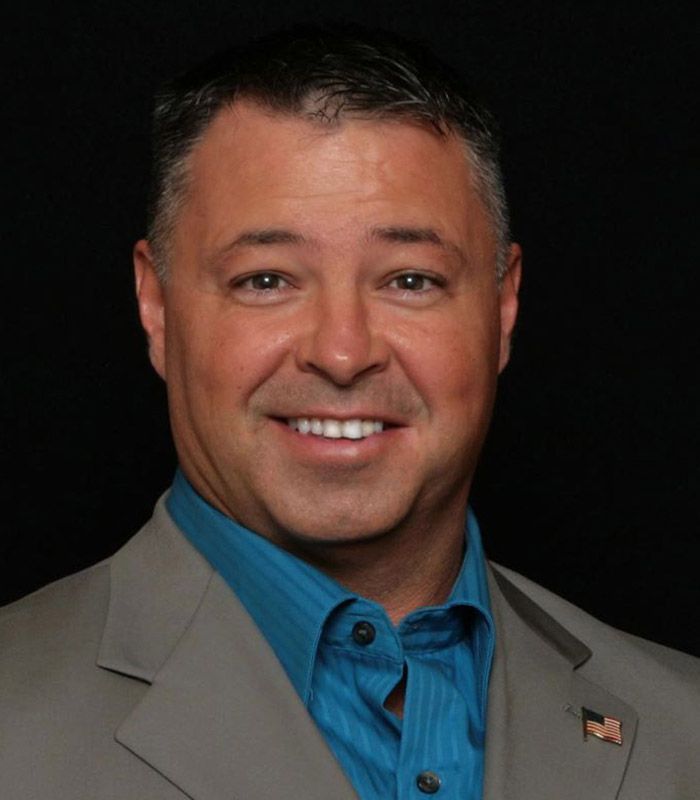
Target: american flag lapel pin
{"points": [[606, 728]]}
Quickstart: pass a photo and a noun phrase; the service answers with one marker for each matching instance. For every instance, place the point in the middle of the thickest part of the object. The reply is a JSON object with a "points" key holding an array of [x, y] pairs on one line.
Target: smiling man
{"points": [[330, 327], [329, 291]]}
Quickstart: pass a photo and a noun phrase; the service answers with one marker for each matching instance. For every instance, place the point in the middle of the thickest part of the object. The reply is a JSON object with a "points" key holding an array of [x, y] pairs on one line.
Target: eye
{"points": [[411, 282], [261, 282], [263, 287], [415, 282]]}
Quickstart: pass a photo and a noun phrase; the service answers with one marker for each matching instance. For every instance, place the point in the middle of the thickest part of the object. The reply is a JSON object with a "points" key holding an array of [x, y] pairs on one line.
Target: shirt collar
{"points": [[290, 600]]}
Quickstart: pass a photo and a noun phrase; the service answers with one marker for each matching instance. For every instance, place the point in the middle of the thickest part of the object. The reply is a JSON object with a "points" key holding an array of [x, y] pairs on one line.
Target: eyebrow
{"points": [[409, 235], [254, 238], [397, 234], [265, 236]]}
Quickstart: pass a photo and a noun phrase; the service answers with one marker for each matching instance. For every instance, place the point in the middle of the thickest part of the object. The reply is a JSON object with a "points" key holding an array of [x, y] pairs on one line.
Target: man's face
{"points": [[329, 274]]}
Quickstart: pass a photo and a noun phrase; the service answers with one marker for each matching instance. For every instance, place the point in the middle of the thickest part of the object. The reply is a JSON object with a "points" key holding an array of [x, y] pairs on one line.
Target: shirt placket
{"points": [[435, 755]]}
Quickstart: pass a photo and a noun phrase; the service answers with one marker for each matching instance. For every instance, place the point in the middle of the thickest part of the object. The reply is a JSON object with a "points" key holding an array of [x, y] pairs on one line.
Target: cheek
{"points": [[222, 362], [453, 364]]}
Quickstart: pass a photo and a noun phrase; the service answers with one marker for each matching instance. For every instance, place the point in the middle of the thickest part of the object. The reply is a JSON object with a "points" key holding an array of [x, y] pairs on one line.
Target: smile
{"points": [[336, 428]]}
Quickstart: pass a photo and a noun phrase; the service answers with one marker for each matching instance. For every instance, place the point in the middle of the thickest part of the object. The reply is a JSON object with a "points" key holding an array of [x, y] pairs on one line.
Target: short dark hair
{"points": [[325, 74]]}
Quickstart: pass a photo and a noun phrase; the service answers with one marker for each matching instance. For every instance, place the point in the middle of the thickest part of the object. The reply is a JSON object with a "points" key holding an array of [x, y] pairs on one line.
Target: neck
{"points": [[411, 566], [402, 571]]}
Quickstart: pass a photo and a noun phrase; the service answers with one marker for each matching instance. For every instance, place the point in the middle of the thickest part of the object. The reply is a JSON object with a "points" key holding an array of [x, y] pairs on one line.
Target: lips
{"points": [[330, 428]]}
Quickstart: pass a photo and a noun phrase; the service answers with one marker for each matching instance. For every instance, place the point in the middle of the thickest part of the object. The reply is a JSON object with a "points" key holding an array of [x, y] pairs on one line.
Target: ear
{"points": [[510, 285], [150, 296]]}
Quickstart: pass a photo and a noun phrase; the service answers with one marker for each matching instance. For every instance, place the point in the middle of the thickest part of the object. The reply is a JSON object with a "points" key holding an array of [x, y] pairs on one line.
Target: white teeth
{"points": [[335, 428], [332, 429], [352, 429], [367, 427]]}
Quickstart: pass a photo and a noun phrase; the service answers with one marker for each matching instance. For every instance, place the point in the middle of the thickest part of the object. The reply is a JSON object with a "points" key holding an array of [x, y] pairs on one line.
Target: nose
{"points": [[340, 342]]}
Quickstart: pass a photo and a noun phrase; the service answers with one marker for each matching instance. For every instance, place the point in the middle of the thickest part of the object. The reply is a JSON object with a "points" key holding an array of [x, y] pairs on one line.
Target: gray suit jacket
{"points": [[143, 678]]}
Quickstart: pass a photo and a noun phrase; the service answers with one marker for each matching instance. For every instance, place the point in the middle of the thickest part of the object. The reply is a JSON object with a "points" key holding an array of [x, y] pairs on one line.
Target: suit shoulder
{"points": [[601, 637], [58, 593], [71, 608], [58, 620]]}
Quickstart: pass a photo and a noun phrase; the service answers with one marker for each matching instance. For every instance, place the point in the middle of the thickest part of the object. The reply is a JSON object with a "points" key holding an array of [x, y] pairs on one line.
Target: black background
{"points": [[589, 480]]}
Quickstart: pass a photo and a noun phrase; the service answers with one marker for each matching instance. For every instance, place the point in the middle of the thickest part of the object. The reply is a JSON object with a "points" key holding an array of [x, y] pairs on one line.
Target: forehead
{"points": [[258, 167]]}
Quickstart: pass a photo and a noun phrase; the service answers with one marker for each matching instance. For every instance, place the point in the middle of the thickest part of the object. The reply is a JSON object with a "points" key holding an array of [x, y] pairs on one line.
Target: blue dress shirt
{"points": [[343, 656]]}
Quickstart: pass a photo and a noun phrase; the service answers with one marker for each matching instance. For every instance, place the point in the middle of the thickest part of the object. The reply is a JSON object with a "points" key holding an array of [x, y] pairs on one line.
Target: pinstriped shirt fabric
{"points": [[344, 677]]}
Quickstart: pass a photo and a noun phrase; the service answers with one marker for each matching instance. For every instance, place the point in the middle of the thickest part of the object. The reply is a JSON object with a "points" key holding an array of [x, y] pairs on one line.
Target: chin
{"points": [[337, 528]]}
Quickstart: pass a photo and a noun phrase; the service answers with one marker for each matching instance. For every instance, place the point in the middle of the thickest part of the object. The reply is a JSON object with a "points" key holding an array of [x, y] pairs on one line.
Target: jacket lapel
{"points": [[220, 718], [535, 749]]}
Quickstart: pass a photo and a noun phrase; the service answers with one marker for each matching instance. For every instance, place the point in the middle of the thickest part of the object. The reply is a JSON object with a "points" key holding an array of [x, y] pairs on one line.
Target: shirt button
{"points": [[363, 633], [428, 782]]}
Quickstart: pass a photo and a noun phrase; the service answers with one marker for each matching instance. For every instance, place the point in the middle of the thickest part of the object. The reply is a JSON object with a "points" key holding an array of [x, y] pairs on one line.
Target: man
{"points": [[329, 291]]}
